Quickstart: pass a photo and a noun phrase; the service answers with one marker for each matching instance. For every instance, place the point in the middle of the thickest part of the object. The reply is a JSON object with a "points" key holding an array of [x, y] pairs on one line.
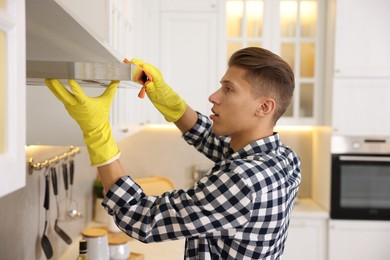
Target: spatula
{"points": [[45, 242], [58, 230]]}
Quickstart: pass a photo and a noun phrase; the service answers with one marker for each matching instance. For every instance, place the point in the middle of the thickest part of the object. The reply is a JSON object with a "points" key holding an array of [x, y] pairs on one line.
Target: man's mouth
{"points": [[214, 114]]}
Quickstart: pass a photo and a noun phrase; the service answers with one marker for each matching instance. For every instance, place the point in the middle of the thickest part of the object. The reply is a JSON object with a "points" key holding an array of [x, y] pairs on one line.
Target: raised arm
{"points": [[163, 97], [91, 114]]}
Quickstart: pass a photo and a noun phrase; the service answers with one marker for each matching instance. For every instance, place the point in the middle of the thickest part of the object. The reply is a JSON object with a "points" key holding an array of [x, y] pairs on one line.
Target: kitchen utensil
{"points": [[63, 201], [58, 230], [73, 212], [45, 242], [66, 181]]}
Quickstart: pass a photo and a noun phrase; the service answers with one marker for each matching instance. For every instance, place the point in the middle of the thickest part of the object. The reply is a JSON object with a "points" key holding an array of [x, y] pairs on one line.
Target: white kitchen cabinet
{"points": [[130, 113], [307, 233], [359, 240], [306, 240], [189, 55], [361, 68], [361, 106], [12, 96], [362, 38], [183, 40]]}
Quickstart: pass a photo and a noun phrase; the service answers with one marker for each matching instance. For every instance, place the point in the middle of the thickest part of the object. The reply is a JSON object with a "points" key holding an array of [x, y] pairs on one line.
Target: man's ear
{"points": [[266, 107]]}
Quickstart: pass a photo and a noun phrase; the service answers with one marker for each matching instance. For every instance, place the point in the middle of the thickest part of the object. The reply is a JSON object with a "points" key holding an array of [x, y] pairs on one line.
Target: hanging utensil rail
{"points": [[38, 166]]}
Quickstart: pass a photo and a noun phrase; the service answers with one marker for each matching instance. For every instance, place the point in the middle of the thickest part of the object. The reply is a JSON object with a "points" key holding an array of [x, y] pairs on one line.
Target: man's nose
{"points": [[213, 98]]}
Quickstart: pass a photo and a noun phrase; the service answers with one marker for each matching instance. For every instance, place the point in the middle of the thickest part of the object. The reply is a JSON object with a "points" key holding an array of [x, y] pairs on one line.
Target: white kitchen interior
{"points": [[339, 54]]}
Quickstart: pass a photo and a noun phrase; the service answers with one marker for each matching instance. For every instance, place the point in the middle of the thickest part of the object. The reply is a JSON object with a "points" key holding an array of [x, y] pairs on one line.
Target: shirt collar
{"points": [[260, 146]]}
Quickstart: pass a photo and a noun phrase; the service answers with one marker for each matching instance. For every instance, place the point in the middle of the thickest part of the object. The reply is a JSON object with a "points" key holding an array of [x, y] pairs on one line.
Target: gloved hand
{"points": [[92, 116], [167, 101]]}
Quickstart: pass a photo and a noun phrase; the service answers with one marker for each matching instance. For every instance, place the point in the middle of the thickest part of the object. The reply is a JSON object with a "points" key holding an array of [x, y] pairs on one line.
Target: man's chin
{"points": [[217, 131]]}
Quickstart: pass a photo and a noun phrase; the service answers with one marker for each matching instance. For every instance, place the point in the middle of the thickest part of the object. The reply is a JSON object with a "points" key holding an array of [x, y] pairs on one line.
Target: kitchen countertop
{"points": [[304, 208], [168, 250], [308, 208]]}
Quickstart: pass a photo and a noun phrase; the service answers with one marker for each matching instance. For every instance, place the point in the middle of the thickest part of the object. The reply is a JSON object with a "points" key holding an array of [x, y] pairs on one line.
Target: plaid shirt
{"points": [[240, 210]]}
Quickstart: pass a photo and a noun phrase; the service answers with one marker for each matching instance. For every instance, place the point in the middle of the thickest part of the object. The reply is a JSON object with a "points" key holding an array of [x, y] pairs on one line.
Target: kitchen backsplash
{"points": [[22, 215], [156, 150]]}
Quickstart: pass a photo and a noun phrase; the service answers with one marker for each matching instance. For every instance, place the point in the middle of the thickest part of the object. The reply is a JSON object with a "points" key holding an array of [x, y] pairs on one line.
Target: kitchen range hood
{"points": [[87, 74], [59, 46]]}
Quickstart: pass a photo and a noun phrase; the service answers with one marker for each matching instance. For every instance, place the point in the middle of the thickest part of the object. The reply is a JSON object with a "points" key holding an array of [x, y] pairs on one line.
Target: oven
{"points": [[360, 181]]}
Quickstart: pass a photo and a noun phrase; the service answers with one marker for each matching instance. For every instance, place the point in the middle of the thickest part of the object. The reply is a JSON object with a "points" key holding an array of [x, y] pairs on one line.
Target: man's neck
{"points": [[239, 141]]}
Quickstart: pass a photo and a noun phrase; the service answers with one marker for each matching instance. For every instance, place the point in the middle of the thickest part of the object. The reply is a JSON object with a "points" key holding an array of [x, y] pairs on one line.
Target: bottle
{"points": [[82, 250]]}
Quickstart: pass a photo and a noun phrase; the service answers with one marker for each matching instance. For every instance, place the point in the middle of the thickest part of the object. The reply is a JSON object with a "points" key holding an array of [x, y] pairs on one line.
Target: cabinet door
{"points": [[361, 107], [362, 38], [306, 240], [359, 240], [12, 95], [189, 55]]}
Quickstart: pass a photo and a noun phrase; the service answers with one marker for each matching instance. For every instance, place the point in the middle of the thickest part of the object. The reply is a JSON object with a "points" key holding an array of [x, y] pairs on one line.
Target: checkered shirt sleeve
{"points": [[240, 210], [206, 142]]}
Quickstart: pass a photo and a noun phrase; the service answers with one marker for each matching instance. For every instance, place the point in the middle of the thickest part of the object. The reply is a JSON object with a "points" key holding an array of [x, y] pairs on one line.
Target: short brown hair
{"points": [[268, 74]]}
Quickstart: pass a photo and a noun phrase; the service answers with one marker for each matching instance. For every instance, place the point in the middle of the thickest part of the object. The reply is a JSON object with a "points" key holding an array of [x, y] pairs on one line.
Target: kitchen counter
{"points": [[308, 208], [168, 250], [304, 208]]}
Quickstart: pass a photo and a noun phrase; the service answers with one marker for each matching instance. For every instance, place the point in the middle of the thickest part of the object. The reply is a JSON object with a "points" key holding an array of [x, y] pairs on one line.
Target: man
{"points": [[241, 209]]}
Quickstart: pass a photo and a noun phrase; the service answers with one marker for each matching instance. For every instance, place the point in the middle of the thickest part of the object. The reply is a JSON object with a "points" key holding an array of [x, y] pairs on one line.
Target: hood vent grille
{"points": [[86, 73]]}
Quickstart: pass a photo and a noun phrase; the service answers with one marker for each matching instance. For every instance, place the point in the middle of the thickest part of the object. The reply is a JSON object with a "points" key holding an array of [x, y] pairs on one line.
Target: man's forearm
{"points": [[187, 120], [110, 173]]}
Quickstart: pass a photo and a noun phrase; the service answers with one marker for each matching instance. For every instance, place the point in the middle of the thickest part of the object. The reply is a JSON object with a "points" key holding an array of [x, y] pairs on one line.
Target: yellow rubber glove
{"points": [[167, 101], [91, 113]]}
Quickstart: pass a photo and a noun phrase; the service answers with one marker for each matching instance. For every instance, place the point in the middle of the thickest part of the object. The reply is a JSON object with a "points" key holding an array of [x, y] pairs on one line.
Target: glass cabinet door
{"points": [[12, 95], [244, 24], [291, 29], [2, 91]]}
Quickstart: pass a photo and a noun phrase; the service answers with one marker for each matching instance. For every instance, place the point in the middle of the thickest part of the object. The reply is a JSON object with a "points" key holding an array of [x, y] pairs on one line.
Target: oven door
{"points": [[360, 186]]}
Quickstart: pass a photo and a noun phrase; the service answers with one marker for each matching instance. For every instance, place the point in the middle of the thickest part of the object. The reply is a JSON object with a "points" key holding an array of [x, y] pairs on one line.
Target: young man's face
{"points": [[234, 105]]}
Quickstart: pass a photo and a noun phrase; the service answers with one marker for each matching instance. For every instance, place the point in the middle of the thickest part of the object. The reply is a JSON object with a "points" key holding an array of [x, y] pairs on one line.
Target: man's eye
{"points": [[226, 89]]}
